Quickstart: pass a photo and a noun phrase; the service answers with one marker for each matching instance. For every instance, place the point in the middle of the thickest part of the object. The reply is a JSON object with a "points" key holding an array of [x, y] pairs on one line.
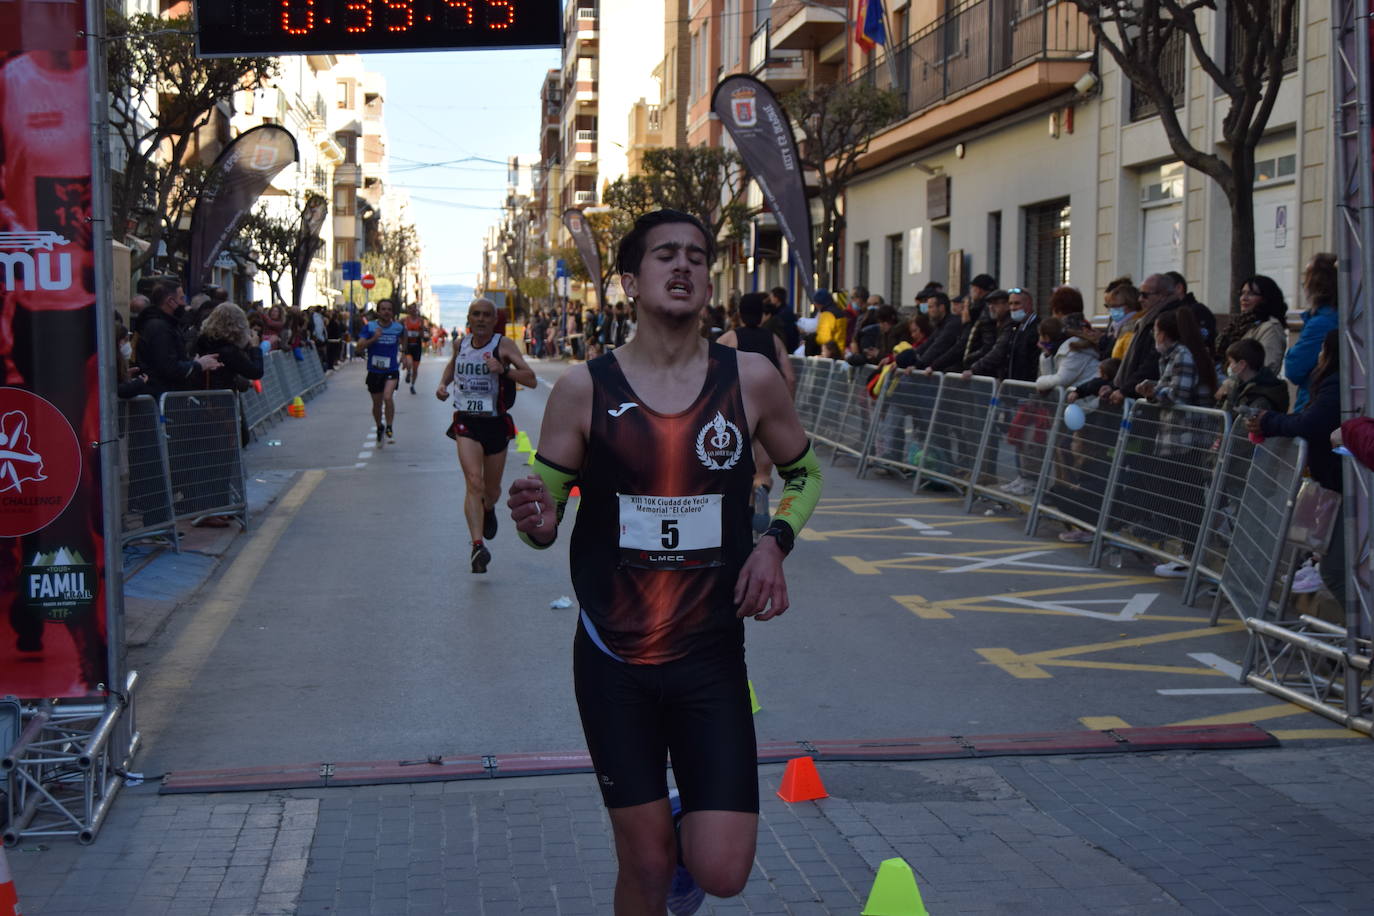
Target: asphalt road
{"points": [[346, 625]]}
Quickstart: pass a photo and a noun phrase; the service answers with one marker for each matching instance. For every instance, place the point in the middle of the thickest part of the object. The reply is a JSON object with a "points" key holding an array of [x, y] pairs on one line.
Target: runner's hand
{"points": [[532, 509], [494, 365], [761, 590], [441, 393]]}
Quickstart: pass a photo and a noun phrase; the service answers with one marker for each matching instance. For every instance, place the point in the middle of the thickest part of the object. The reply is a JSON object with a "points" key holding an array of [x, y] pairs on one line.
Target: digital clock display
{"points": [[243, 28]]}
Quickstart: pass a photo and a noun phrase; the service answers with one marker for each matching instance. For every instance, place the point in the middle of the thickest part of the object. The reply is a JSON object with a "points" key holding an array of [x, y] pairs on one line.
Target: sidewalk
{"points": [[1221, 832]]}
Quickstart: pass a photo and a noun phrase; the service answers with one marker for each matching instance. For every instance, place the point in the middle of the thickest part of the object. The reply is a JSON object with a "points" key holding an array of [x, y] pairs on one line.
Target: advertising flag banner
{"points": [[236, 180], [763, 136], [308, 242], [53, 628], [584, 237]]}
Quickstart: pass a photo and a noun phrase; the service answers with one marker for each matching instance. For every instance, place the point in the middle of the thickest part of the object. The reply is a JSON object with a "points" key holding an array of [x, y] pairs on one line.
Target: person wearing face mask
{"points": [[943, 338], [1024, 357], [1123, 308], [161, 353]]}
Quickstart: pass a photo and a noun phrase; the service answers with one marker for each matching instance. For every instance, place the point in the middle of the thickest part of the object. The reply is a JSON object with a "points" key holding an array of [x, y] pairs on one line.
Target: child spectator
{"points": [[1251, 383], [1067, 360]]}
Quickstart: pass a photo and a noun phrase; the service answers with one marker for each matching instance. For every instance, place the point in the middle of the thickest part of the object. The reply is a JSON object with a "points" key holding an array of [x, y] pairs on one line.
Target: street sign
{"points": [[352, 270], [244, 28], [368, 281], [561, 270]]}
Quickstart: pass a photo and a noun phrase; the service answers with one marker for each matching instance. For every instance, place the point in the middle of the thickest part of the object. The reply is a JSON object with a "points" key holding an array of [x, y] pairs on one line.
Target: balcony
{"points": [[1173, 71], [585, 26], [584, 198], [985, 60], [586, 136], [808, 25], [348, 174], [781, 70]]}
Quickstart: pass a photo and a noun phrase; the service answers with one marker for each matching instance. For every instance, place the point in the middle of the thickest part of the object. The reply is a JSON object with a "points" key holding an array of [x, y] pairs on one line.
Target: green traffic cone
{"points": [[894, 892], [754, 706]]}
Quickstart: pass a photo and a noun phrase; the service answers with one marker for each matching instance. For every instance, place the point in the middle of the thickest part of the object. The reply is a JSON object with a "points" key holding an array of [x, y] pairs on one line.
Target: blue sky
{"points": [[446, 106]]}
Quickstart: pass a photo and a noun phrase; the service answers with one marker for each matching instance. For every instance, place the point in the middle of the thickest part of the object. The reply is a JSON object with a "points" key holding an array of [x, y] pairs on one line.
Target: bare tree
{"points": [[838, 121], [707, 182], [161, 97], [1137, 36], [270, 241]]}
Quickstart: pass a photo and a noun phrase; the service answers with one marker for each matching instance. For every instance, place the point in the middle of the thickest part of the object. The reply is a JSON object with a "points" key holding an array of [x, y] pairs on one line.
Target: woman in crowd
{"points": [[1123, 309], [1319, 286], [226, 334], [273, 323], [1315, 422], [1263, 319]]}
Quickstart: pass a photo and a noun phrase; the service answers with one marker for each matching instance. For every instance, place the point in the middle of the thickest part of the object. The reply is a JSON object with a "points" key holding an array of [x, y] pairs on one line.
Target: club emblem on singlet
{"points": [[719, 444]]}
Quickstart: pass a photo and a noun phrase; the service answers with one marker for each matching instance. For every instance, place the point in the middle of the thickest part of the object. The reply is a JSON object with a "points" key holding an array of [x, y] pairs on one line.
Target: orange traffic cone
{"points": [[9, 897], [801, 782]]}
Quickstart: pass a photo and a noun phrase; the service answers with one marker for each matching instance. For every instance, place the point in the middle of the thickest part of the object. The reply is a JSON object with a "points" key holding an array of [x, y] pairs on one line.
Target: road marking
{"points": [[182, 664], [1033, 664], [1211, 660], [922, 608], [1204, 691], [1281, 711], [858, 566], [1298, 734], [1017, 560], [923, 528], [363, 456], [1102, 723], [1132, 608]]}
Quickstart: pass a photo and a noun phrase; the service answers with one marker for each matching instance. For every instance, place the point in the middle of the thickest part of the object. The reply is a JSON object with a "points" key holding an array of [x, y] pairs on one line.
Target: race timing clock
{"points": [[245, 28]]}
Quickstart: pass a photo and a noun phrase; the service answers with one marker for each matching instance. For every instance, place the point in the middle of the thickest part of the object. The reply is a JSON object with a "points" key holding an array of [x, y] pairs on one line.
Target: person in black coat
{"points": [[944, 336], [1320, 418], [161, 353]]}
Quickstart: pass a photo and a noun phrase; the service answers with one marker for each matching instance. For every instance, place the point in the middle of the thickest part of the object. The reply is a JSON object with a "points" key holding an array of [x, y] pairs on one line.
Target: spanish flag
{"points": [[870, 27]]}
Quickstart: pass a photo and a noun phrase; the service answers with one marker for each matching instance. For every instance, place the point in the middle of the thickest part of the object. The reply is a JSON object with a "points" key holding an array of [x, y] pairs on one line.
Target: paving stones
{"points": [[1239, 832]]}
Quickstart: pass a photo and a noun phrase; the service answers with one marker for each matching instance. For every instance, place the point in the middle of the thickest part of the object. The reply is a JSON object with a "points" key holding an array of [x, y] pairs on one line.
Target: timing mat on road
{"points": [[494, 766]]}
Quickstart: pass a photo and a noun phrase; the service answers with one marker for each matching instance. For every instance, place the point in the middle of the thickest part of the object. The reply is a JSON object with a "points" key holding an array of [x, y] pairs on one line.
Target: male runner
{"points": [[482, 372], [415, 344], [658, 436], [380, 343]]}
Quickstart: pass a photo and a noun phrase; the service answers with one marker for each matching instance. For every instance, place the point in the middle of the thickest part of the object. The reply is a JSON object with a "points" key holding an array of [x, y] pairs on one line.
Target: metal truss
{"points": [[67, 767], [1320, 666]]}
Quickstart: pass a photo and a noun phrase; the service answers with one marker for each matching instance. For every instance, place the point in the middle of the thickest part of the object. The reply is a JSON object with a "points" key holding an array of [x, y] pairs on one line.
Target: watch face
{"points": [[268, 27]]}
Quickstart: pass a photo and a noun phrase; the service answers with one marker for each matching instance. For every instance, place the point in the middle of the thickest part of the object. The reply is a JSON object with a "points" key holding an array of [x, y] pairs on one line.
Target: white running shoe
{"points": [[1307, 580], [1076, 536], [1171, 571], [1018, 487]]}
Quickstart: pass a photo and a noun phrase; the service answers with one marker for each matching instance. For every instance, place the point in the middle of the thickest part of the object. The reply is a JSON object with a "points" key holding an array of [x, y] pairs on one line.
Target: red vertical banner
{"points": [[53, 628]]}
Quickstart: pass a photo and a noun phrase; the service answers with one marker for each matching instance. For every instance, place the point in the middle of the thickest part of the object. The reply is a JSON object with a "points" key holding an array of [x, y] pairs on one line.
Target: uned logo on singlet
{"points": [[719, 444]]}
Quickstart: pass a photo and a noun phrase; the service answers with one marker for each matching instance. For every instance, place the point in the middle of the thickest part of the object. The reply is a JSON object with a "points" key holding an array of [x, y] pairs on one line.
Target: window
{"points": [[860, 265], [1173, 63], [344, 202], [345, 94], [694, 78], [1047, 249], [895, 269], [994, 243], [729, 33], [1275, 169]]}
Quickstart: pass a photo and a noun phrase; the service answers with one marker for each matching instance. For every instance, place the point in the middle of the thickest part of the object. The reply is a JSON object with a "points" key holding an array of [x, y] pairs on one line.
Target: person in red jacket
{"points": [[1357, 436]]}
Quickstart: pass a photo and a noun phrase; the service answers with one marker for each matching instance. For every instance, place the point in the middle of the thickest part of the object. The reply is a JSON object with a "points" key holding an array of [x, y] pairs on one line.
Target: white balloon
{"points": [[1074, 418]]}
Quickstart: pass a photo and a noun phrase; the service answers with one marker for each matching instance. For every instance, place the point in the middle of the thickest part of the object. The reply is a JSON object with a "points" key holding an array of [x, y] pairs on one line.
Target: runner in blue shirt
{"points": [[381, 347]]}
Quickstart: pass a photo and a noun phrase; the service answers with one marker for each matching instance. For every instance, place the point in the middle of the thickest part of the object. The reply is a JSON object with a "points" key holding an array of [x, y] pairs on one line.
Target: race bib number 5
{"points": [[670, 532]]}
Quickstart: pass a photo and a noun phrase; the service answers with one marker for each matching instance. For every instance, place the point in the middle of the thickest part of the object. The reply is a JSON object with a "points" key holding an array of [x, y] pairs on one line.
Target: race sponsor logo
{"points": [[719, 444], [40, 462], [59, 583], [26, 261]]}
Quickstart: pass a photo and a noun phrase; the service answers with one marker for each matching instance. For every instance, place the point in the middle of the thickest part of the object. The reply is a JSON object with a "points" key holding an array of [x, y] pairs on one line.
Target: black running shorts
{"points": [[494, 433], [376, 381], [415, 351], [695, 709]]}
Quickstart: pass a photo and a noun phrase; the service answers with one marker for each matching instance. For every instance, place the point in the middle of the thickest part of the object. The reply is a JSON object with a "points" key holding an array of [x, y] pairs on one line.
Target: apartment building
{"points": [[1022, 152]]}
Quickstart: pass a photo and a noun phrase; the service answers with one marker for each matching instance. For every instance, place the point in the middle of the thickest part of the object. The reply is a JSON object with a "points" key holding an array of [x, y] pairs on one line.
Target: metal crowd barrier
{"points": [[1162, 482], [1081, 465], [901, 419], [856, 405], [205, 454], [284, 378], [958, 431], [1018, 443], [813, 376], [147, 489]]}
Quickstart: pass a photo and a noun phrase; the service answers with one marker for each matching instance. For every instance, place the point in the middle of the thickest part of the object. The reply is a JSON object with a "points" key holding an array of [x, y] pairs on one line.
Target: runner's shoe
{"points": [[390, 436], [381, 435], [481, 556], [412, 387], [489, 524], [685, 896]]}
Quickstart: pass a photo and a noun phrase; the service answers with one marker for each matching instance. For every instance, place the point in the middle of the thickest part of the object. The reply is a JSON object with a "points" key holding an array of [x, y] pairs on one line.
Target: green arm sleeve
{"points": [[801, 490], [559, 482]]}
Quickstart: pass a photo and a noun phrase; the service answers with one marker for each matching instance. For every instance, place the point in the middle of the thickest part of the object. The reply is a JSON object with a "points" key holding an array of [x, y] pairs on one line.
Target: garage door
{"points": [[1163, 248], [1276, 238]]}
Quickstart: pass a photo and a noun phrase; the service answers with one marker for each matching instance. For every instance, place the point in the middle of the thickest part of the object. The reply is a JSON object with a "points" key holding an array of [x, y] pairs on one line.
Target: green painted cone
{"points": [[754, 706], [894, 892]]}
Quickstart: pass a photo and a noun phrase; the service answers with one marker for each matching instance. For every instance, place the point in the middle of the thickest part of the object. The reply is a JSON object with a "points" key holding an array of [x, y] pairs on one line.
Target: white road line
{"points": [[363, 456], [1204, 691], [544, 381], [1131, 608], [1216, 662], [361, 464], [922, 527], [977, 563]]}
